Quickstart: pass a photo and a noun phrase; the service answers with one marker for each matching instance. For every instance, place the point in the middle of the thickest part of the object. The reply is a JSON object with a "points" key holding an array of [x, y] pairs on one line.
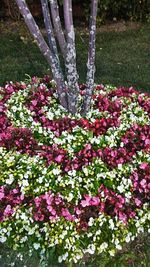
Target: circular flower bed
{"points": [[74, 185]]}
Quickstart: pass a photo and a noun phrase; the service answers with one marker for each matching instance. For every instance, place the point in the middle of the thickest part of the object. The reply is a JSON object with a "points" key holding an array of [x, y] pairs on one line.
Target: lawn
{"points": [[122, 57]]}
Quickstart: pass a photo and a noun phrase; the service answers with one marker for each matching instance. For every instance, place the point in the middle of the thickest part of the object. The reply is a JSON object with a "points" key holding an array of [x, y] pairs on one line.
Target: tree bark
{"points": [[91, 58], [34, 30], [72, 75], [57, 26], [49, 29]]}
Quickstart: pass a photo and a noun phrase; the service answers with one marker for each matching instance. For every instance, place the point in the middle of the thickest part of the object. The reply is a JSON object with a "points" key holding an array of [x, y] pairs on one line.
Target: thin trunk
{"points": [[57, 26], [49, 28], [91, 58], [72, 76], [34, 30]]}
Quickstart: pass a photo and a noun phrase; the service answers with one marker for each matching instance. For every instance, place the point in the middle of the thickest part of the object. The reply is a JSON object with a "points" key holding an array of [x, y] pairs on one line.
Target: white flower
{"points": [[40, 180], [104, 245], [31, 231], [60, 259], [127, 238], [36, 246], [119, 247], [111, 224], [56, 171], [112, 253], [70, 197], [140, 229], [14, 109], [120, 188], [10, 179], [3, 239], [91, 249], [86, 171], [50, 115], [91, 221], [40, 130], [24, 217], [72, 173], [120, 166], [25, 183]]}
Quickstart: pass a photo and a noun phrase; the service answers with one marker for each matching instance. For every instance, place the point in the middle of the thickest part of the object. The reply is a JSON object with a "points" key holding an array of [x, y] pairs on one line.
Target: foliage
{"points": [[115, 10], [134, 10], [108, 10], [71, 186]]}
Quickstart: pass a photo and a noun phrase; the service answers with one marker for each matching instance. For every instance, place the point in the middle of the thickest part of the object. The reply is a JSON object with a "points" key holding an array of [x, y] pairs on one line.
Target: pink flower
{"points": [[39, 216], [53, 218], [8, 210], [1, 195], [77, 211], [143, 183], [65, 213], [51, 210], [34, 102], [138, 202], [147, 141], [143, 165], [95, 201], [122, 216], [59, 158], [86, 202], [37, 201]]}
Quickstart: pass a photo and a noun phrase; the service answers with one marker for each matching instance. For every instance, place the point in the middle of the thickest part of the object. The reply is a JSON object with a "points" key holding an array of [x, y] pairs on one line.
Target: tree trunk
{"points": [[91, 58], [72, 76], [68, 93], [34, 30], [57, 26]]}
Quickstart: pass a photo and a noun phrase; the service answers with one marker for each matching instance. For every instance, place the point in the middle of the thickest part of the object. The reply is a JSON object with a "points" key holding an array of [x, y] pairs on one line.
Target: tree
{"points": [[68, 92]]}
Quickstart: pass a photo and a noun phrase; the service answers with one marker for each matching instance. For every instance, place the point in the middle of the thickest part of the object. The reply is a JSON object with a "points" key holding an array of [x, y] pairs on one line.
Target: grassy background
{"points": [[122, 58]]}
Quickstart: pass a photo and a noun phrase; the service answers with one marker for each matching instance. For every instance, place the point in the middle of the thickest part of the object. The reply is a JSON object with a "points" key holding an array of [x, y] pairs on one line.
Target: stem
{"points": [[57, 26], [34, 30], [91, 58], [70, 62], [49, 28]]}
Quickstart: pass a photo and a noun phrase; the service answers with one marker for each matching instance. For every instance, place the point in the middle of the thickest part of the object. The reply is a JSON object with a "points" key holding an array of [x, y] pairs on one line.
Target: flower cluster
{"points": [[9, 199], [21, 139], [78, 185]]}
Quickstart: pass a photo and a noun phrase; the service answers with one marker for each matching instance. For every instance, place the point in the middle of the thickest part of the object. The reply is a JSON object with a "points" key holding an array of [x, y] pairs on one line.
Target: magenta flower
{"points": [[8, 210], [86, 202], [1, 195], [66, 214]]}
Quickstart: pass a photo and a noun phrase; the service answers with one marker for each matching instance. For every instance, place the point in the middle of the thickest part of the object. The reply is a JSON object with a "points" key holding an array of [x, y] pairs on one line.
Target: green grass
{"points": [[122, 58]]}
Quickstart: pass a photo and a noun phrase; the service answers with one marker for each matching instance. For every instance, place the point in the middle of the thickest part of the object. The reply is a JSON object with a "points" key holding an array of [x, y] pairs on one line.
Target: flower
{"points": [[81, 184]]}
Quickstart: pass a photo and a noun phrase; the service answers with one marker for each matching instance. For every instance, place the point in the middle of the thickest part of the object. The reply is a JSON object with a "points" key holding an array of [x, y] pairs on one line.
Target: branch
{"points": [[57, 26], [72, 75], [91, 58], [34, 30]]}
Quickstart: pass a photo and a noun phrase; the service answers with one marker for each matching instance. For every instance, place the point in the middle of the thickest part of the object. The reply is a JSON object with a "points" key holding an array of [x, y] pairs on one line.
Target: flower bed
{"points": [[74, 185]]}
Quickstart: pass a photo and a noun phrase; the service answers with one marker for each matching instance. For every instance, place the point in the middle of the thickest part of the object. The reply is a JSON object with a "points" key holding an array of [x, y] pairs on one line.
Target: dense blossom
{"points": [[9, 199], [80, 184], [20, 138]]}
